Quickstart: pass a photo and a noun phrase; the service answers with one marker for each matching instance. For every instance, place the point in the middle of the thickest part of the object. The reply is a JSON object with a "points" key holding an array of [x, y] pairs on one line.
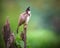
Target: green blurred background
{"points": [[40, 33]]}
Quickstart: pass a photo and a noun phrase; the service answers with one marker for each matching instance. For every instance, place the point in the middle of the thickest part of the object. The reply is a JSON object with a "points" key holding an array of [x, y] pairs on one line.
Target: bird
{"points": [[24, 18]]}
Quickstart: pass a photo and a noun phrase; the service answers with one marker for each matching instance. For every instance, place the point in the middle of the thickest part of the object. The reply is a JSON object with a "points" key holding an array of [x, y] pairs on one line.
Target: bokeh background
{"points": [[44, 25]]}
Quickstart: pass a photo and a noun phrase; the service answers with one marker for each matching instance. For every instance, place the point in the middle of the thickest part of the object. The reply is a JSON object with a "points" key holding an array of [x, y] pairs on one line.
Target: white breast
{"points": [[27, 20]]}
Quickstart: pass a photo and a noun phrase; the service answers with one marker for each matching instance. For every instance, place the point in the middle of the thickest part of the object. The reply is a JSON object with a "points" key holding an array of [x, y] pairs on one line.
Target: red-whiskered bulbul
{"points": [[24, 18]]}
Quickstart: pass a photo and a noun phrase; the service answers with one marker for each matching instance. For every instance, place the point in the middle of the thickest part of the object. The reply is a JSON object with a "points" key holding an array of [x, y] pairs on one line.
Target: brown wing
{"points": [[21, 22]]}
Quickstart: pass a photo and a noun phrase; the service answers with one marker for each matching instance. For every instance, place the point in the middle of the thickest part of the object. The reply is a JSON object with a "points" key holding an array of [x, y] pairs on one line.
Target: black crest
{"points": [[28, 9]]}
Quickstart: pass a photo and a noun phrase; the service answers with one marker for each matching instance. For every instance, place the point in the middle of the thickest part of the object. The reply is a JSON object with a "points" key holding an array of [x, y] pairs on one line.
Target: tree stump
{"points": [[8, 36]]}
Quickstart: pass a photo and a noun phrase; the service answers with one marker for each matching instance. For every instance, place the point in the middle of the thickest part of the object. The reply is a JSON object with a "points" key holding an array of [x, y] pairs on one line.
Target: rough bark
{"points": [[8, 36]]}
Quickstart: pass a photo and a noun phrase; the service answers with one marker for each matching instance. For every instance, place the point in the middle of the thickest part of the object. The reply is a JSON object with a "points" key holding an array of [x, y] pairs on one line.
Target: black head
{"points": [[28, 9]]}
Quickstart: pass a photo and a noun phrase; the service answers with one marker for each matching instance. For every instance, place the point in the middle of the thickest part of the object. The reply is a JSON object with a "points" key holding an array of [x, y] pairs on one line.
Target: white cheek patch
{"points": [[29, 12]]}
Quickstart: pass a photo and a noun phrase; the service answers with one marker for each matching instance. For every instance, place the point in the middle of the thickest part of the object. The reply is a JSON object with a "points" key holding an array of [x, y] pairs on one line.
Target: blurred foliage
{"points": [[19, 43], [39, 33], [42, 39]]}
